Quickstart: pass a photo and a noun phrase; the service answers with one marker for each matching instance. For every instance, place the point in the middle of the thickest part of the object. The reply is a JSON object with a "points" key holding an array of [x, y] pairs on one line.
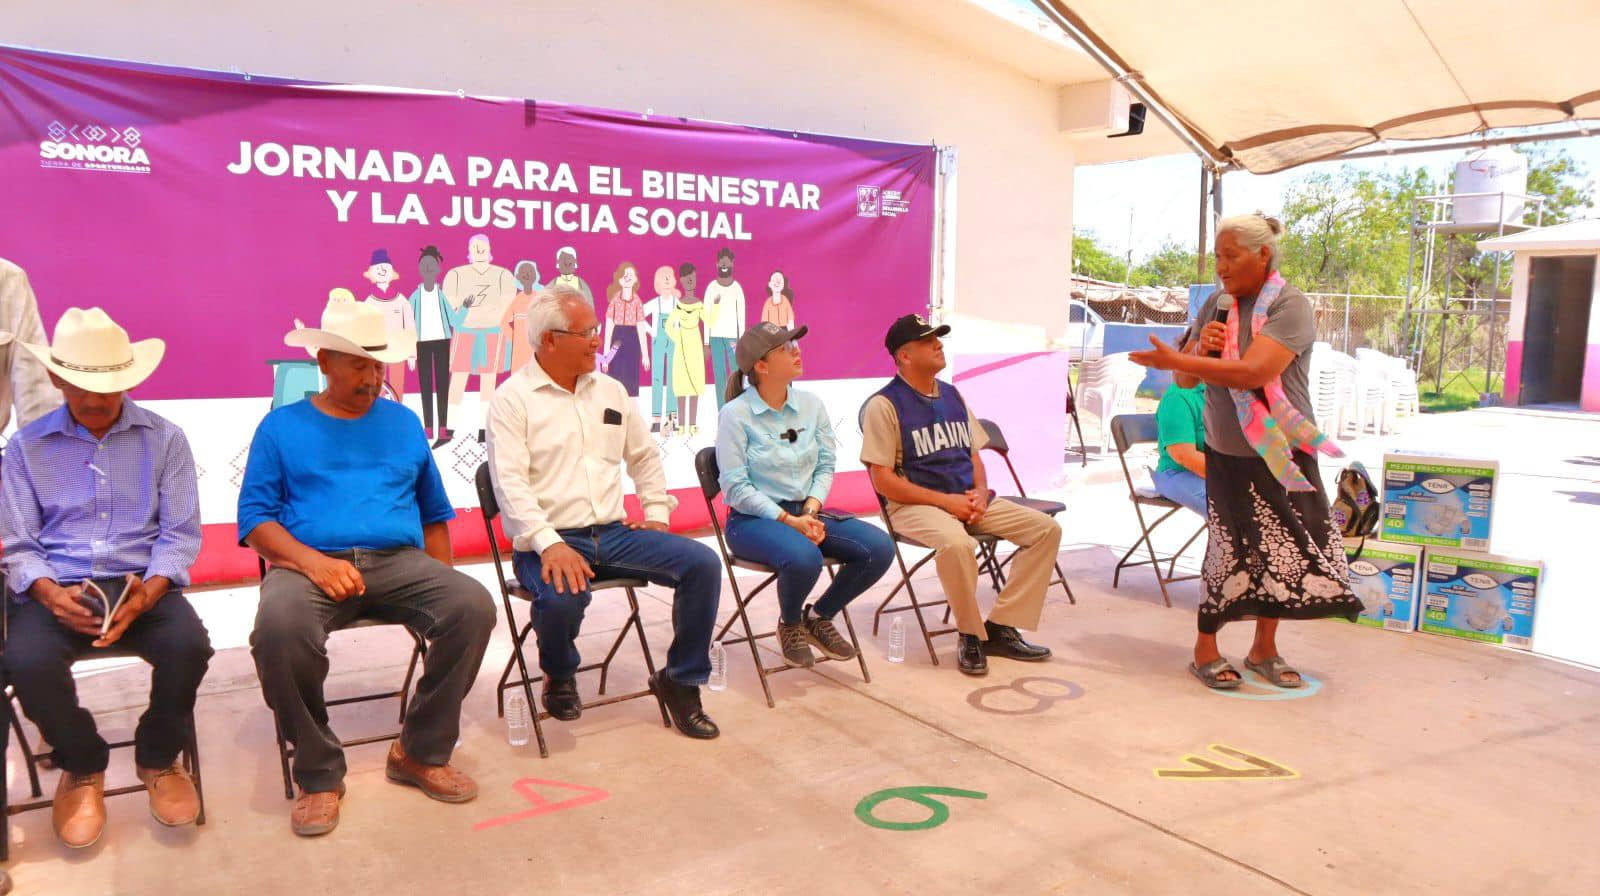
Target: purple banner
{"points": [[213, 210]]}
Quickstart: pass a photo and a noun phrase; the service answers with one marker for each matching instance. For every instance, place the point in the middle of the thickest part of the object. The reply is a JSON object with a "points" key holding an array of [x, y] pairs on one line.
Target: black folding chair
{"points": [[1072, 411], [419, 650], [509, 588], [986, 563], [1129, 430], [997, 443], [705, 466], [189, 757]]}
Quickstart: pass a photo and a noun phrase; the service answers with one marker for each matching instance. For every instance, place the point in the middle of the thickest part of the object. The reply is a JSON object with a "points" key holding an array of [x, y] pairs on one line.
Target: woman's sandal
{"points": [[1208, 674], [1274, 669]]}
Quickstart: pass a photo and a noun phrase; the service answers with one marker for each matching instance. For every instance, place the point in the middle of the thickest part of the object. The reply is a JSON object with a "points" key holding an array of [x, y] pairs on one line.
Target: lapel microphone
{"points": [[793, 435]]}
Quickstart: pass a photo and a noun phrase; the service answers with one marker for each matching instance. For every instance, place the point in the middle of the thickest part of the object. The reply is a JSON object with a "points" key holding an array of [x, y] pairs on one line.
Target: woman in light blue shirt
{"points": [[775, 448]]}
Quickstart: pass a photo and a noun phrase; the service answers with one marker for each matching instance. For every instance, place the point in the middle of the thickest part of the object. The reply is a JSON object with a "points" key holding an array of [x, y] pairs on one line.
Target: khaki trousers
{"points": [[1037, 537]]}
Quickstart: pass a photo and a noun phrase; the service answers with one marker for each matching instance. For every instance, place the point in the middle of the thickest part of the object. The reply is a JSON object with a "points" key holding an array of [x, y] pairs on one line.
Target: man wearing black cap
{"points": [[920, 445]]}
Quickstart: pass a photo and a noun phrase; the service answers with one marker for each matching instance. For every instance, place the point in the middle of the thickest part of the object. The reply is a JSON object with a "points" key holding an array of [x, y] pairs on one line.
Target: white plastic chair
{"points": [[1106, 387], [1331, 385], [1403, 385]]}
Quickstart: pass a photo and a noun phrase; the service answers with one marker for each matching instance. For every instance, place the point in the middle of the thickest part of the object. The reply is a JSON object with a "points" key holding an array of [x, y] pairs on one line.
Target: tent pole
{"points": [[1200, 244]]}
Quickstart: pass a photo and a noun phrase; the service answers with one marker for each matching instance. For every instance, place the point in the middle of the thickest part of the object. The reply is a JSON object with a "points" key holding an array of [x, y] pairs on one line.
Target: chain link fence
{"points": [[1450, 348]]}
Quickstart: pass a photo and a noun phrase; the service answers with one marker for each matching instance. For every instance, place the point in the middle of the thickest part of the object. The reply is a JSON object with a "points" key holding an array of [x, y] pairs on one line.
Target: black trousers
{"points": [[39, 655], [290, 646], [433, 370]]}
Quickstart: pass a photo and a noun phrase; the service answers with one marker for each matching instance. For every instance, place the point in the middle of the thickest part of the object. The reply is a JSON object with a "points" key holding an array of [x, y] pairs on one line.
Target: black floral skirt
{"points": [[1272, 553]]}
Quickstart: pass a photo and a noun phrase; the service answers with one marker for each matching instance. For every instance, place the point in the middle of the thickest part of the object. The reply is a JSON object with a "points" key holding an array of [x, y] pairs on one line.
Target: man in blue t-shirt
{"points": [[342, 497]]}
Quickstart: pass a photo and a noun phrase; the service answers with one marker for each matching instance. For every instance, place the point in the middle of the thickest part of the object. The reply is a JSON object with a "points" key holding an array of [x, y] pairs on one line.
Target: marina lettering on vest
{"points": [[940, 435]]}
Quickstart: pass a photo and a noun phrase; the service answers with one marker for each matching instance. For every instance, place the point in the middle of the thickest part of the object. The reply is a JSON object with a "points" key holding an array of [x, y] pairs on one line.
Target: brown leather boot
{"points": [[79, 810], [316, 813], [173, 799], [442, 782]]}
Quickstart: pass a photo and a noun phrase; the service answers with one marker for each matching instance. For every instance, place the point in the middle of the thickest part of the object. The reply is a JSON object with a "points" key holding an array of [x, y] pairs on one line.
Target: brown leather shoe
{"points": [[173, 799], [79, 810], [442, 782], [316, 813]]}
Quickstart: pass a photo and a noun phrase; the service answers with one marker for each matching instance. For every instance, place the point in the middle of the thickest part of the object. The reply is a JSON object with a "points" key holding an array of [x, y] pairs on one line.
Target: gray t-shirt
{"points": [[1290, 324]]}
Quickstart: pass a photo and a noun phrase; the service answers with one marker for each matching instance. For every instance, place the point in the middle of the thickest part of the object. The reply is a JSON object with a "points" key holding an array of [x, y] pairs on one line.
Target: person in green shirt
{"points": [[1181, 436]]}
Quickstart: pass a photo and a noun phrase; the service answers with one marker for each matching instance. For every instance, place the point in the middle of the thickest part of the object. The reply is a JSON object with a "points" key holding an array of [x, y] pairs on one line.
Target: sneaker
{"points": [[792, 638], [821, 633]]}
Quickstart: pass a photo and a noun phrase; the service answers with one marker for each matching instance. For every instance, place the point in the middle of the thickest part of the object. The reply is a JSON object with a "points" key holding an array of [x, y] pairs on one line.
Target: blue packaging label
{"points": [[1441, 504], [1385, 581], [1480, 598]]}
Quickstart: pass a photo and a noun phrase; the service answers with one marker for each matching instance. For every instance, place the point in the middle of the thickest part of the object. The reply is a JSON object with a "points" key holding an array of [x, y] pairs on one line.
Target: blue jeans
{"points": [[865, 550], [614, 551], [1182, 486], [723, 363]]}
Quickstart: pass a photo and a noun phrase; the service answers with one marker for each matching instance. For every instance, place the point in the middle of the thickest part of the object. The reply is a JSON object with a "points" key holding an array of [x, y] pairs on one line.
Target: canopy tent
{"points": [[1266, 85]]}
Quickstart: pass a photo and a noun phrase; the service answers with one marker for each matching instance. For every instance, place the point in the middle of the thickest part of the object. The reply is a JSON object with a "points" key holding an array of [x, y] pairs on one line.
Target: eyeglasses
{"points": [[590, 333]]}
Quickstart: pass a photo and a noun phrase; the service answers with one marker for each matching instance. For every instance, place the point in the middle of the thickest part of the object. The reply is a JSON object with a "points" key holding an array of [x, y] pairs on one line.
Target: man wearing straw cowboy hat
{"points": [[100, 502], [342, 497]]}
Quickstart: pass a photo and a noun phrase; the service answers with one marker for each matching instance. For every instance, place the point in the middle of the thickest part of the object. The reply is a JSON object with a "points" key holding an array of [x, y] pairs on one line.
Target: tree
{"points": [[1349, 229], [1554, 173], [1171, 265], [1090, 259]]}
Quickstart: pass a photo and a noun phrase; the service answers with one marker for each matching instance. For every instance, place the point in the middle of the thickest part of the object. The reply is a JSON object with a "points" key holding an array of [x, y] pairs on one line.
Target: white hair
{"points": [[1254, 231], [547, 312], [567, 250]]}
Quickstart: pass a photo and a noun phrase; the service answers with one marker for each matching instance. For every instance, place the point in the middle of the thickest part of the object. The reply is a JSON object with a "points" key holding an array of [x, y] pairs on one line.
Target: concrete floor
{"points": [[1421, 764]]}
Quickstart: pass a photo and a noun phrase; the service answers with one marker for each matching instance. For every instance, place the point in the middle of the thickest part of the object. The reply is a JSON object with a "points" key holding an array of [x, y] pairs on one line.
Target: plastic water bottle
{"points": [[719, 668], [518, 720], [897, 640]]}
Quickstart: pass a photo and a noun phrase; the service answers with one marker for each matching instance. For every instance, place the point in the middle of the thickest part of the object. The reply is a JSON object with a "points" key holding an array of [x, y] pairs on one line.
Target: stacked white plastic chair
{"points": [[1374, 401], [1107, 387], [1403, 384], [1332, 388]]}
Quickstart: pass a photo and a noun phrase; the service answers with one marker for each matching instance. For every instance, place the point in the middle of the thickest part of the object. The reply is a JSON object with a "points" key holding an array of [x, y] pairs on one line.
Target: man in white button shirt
{"points": [[559, 433], [25, 387]]}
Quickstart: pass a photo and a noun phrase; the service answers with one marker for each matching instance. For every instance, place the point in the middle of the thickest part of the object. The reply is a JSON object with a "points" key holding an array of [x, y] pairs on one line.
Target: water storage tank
{"points": [[1494, 169]]}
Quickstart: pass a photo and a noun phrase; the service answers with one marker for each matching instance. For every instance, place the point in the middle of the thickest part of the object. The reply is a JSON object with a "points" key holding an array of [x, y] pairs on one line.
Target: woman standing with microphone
{"points": [[775, 448], [1274, 552]]}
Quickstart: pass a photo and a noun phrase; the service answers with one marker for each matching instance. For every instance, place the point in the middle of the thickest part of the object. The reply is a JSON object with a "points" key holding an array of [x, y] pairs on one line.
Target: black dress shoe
{"points": [[969, 655], [561, 698], [683, 705], [1006, 641]]}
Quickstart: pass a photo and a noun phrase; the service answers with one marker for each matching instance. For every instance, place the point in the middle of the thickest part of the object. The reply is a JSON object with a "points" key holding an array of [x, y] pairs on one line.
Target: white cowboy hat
{"points": [[354, 328], [91, 352]]}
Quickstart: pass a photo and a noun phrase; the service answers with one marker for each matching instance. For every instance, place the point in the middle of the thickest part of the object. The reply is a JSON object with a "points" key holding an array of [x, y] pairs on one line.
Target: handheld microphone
{"points": [[1224, 305]]}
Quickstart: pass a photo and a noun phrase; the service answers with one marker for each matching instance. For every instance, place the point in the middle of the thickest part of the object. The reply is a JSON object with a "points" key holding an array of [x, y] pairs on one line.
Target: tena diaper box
{"points": [[1386, 578], [1437, 500], [1480, 597]]}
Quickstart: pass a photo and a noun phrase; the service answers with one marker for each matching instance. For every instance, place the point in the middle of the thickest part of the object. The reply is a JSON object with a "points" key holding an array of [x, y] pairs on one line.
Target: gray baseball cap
{"points": [[760, 339]]}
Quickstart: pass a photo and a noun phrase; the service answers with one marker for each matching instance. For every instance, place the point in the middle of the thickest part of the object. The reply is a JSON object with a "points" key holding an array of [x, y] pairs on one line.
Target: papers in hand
{"points": [[101, 604]]}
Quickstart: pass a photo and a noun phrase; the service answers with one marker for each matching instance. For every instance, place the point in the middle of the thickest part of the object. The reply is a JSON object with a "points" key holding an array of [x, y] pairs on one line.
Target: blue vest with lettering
{"points": [[935, 441]]}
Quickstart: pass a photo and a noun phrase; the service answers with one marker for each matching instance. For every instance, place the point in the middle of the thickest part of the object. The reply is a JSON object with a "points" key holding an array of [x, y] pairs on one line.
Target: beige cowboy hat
{"points": [[91, 352], [354, 328]]}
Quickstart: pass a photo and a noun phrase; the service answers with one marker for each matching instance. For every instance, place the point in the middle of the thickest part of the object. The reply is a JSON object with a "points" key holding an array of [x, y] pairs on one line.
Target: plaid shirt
{"points": [[73, 507]]}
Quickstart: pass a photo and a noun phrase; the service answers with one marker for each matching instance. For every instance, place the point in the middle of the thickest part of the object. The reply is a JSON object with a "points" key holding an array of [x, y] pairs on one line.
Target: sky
{"points": [[1163, 194]]}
